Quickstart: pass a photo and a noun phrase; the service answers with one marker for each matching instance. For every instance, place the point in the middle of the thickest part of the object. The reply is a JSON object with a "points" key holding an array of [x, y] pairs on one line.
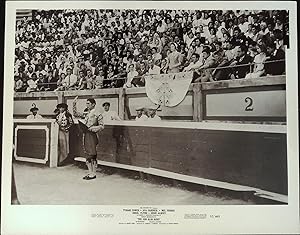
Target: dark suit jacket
{"points": [[241, 71], [276, 68]]}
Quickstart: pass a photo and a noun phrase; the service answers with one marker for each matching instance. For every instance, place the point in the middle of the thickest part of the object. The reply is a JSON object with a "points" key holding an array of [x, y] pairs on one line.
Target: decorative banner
{"points": [[168, 89]]}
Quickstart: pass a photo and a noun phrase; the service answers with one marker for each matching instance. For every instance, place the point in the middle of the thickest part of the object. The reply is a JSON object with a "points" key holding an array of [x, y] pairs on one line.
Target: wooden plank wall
{"points": [[247, 158]]}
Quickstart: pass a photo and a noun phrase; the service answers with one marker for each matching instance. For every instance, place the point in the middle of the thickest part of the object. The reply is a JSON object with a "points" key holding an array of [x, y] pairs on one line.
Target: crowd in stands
{"points": [[95, 49]]}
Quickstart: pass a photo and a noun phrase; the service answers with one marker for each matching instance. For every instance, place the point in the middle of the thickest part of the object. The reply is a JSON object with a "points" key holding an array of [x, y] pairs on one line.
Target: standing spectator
{"points": [[174, 59]]}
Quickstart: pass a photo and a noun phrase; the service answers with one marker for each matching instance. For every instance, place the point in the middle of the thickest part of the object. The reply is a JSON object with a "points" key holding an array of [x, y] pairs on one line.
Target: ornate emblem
{"points": [[164, 93]]}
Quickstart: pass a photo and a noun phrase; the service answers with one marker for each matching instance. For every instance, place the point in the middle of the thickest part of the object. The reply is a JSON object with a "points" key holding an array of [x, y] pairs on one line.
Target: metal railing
{"points": [[234, 67]]}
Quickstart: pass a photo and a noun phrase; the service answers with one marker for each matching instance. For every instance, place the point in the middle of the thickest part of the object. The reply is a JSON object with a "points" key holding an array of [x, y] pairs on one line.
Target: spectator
{"points": [[32, 83], [194, 64], [60, 39], [174, 59], [259, 63], [153, 69], [204, 71], [109, 115], [130, 76], [90, 80], [242, 58], [278, 67], [18, 83]]}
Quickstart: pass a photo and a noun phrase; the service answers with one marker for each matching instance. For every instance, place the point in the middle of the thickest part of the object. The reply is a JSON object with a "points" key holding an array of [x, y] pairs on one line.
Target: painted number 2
{"points": [[249, 103]]}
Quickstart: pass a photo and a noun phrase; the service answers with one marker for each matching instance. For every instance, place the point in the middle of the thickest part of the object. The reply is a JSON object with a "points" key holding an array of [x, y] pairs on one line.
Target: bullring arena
{"points": [[222, 134]]}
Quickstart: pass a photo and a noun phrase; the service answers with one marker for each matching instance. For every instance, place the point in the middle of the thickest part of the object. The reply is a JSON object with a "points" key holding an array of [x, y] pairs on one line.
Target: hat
{"points": [[152, 107], [139, 108], [105, 103], [34, 108], [62, 105]]}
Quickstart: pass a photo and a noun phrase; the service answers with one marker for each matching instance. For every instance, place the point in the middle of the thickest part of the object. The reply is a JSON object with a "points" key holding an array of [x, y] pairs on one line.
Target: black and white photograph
{"points": [[152, 104]]}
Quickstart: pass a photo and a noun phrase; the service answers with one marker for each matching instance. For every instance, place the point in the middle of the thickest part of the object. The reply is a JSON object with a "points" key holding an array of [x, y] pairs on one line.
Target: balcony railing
{"points": [[234, 67]]}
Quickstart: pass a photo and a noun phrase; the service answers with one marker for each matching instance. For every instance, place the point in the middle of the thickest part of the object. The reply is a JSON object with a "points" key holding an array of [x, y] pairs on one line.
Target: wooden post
{"points": [[121, 103], [60, 97], [197, 102], [127, 115]]}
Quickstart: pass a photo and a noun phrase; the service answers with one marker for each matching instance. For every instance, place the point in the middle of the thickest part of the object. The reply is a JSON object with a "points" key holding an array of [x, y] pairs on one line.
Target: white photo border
{"points": [[237, 219]]}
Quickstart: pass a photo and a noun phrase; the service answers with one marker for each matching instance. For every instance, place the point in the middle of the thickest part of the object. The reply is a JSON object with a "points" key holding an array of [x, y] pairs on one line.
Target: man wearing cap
{"points": [[34, 114], [152, 116], [109, 115], [140, 114], [93, 123]]}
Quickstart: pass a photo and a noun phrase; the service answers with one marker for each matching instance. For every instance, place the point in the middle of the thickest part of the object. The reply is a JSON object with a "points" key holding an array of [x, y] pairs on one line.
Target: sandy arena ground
{"points": [[38, 185]]}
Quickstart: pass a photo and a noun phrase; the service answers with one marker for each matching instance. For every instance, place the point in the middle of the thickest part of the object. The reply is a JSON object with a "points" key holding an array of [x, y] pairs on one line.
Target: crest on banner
{"points": [[168, 89]]}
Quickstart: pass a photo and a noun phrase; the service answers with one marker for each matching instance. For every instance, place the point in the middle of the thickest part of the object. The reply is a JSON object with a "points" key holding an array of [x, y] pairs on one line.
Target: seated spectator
{"points": [[212, 37], [130, 61], [259, 60], [130, 76], [242, 58], [52, 82], [156, 56], [238, 37], [82, 83], [221, 61], [32, 83], [120, 76], [205, 71], [90, 80], [41, 82], [164, 66], [108, 81], [153, 69], [69, 82], [275, 64], [139, 81], [18, 84], [194, 64]]}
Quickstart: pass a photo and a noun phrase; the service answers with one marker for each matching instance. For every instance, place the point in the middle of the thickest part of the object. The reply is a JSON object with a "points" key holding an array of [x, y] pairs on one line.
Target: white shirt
{"points": [[193, 65], [31, 116], [142, 118], [110, 115], [154, 70], [155, 118]]}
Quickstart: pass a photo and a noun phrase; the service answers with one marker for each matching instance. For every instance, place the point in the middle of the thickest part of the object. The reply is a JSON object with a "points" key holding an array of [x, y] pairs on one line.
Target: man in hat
{"points": [[152, 116], [65, 121], [93, 123], [34, 114], [109, 115], [140, 114]]}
